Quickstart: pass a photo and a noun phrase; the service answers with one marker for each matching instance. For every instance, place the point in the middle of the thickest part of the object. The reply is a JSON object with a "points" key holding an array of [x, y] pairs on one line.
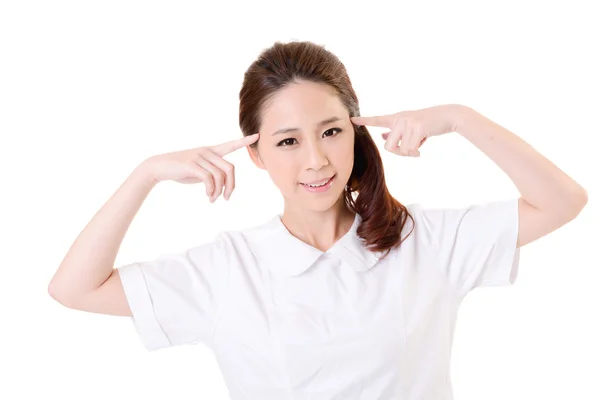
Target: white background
{"points": [[90, 89]]}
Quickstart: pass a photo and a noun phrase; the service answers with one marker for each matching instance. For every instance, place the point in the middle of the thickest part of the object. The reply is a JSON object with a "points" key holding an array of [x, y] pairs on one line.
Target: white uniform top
{"points": [[288, 321]]}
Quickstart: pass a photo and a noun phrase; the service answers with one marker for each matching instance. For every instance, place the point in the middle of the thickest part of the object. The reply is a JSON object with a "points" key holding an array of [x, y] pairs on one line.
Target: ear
{"points": [[253, 152]]}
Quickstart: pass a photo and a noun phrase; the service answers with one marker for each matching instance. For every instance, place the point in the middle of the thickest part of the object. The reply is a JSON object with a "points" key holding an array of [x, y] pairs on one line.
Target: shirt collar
{"points": [[286, 254]]}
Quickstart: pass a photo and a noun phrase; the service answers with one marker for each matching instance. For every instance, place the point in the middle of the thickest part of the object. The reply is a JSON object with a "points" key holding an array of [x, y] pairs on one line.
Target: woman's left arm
{"points": [[549, 197]]}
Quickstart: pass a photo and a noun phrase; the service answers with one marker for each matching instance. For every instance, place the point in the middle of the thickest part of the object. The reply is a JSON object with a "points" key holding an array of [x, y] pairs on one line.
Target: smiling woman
{"points": [[347, 294]]}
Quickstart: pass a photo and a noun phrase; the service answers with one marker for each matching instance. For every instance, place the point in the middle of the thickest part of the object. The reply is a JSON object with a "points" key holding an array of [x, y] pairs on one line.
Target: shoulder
{"points": [[468, 221], [433, 212], [252, 236]]}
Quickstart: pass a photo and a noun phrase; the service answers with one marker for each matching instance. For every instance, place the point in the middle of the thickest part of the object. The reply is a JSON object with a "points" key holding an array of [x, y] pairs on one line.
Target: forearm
{"points": [[541, 184], [91, 258]]}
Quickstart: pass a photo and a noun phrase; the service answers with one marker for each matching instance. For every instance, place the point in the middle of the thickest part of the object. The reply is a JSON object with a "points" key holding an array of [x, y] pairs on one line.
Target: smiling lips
{"points": [[318, 186], [317, 183]]}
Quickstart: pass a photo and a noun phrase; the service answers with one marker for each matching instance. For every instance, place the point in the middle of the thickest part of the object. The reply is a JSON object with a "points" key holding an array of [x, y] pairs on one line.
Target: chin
{"points": [[321, 204]]}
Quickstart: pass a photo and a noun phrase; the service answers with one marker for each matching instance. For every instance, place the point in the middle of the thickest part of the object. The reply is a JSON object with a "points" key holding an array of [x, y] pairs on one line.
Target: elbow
{"points": [[569, 205], [582, 199], [54, 292], [578, 201], [58, 294]]}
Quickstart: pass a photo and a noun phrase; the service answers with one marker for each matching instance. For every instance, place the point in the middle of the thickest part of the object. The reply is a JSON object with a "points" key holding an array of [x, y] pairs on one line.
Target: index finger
{"points": [[233, 145], [386, 121]]}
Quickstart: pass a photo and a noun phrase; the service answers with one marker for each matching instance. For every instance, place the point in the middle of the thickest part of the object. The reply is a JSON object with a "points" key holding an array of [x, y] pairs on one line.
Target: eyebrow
{"points": [[322, 123]]}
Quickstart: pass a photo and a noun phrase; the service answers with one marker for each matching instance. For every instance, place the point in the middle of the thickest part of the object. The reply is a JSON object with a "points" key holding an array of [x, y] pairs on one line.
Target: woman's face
{"points": [[306, 138]]}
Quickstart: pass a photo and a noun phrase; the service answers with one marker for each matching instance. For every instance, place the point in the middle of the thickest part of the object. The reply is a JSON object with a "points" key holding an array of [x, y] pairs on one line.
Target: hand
{"points": [[412, 128], [201, 164]]}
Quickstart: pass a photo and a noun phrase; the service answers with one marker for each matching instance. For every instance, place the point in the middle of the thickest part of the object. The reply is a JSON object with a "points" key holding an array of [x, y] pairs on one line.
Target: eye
{"points": [[286, 142], [333, 129]]}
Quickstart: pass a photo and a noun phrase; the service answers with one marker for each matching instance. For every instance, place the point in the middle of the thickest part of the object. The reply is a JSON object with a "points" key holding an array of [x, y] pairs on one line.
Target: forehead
{"points": [[302, 104]]}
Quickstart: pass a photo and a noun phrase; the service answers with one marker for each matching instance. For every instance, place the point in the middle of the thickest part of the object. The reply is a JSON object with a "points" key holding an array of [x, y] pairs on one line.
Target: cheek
{"points": [[281, 169]]}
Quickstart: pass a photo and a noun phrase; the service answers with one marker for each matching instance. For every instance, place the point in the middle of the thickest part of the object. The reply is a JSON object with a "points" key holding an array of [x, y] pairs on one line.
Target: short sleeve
{"points": [[175, 299], [474, 246]]}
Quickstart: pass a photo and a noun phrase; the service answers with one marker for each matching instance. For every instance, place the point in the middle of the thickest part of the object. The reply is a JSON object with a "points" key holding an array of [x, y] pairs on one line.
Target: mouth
{"points": [[319, 187]]}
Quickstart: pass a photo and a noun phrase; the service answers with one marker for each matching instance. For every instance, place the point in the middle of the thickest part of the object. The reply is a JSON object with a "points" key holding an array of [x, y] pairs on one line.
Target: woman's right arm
{"points": [[86, 278]]}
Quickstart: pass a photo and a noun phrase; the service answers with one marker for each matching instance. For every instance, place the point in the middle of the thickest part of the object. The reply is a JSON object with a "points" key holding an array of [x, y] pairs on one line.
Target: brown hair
{"points": [[383, 217]]}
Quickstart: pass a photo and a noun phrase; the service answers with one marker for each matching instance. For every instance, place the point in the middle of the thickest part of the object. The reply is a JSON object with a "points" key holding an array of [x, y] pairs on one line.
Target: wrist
{"points": [[144, 173], [461, 116]]}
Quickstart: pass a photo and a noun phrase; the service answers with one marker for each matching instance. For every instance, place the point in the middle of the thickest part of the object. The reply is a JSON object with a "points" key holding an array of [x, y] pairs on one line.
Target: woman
{"points": [[347, 294]]}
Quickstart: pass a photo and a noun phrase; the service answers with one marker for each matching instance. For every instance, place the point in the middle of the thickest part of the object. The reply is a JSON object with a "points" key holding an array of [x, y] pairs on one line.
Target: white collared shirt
{"points": [[288, 321]]}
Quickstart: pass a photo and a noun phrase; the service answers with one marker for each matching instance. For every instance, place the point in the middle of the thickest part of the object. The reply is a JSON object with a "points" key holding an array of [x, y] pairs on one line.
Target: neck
{"points": [[320, 229]]}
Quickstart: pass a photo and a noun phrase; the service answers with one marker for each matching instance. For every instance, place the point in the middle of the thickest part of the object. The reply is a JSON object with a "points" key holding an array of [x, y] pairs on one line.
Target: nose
{"points": [[315, 156]]}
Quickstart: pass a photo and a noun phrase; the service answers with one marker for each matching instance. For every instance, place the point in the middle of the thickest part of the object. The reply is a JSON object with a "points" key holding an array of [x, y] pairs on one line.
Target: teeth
{"points": [[322, 184]]}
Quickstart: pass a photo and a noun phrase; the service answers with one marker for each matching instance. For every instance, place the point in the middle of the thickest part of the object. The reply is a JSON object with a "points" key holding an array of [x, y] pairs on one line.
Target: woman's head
{"points": [[299, 96], [306, 139]]}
